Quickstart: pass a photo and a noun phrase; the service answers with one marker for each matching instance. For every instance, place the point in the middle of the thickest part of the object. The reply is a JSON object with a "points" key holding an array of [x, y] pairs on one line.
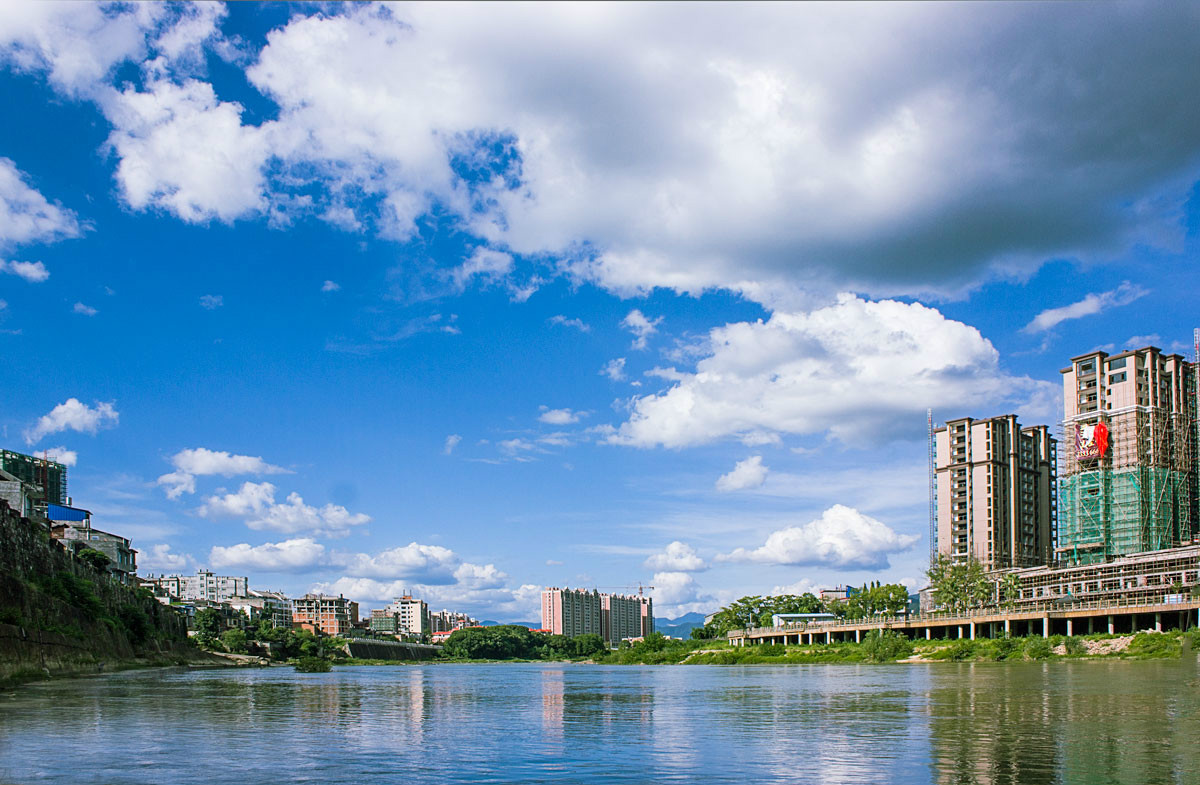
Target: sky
{"points": [[466, 301]]}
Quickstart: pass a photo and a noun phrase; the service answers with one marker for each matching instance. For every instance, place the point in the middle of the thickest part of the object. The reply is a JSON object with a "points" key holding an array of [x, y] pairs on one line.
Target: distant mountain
{"points": [[681, 627], [533, 625]]}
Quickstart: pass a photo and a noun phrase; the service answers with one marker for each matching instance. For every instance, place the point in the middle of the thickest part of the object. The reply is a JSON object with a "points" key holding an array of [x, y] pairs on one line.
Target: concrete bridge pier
{"points": [[972, 630], [1158, 622], [1112, 628], [1070, 628], [1007, 628], [1045, 626], [858, 636]]}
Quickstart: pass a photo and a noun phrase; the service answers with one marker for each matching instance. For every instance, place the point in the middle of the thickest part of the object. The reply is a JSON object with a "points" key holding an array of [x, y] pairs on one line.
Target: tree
{"points": [[959, 585], [207, 625], [588, 645], [94, 559], [234, 641], [875, 599], [1009, 589]]}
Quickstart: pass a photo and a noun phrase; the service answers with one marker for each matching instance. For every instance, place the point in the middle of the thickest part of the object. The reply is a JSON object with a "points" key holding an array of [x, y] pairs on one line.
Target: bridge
{"points": [[1055, 617]]}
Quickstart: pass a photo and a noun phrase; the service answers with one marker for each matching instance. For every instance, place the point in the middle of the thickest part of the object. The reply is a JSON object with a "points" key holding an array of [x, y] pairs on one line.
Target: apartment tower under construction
{"points": [[1127, 474], [995, 491]]}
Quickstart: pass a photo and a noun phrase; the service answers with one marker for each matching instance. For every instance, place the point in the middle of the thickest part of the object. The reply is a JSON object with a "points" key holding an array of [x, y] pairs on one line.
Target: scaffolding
{"points": [[1139, 496]]}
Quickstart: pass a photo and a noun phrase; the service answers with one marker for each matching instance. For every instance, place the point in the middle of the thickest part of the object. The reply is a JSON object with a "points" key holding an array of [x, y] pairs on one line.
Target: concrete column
{"points": [[928, 633], [828, 637], [1007, 628], [1091, 625], [972, 630], [1045, 626], [1112, 628], [858, 636], [1070, 627], [1158, 622]]}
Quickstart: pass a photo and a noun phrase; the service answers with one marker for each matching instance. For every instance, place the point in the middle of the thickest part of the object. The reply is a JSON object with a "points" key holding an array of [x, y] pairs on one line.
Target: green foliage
{"points": [[704, 633], [886, 646], [959, 586], [1153, 645], [76, 591], [95, 559], [234, 641], [10, 615], [654, 649], [1073, 646], [1037, 649], [588, 645], [756, 611], [874, 599], [1007, 649], [1010, 589], [313, 665], [771, 650], [136, 622], [207, 624], [503, 642]]}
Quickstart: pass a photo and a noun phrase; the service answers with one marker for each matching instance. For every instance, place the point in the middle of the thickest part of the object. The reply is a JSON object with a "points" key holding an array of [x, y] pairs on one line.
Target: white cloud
{"points": [[642, 328], [62, 455], [417, 563], [614, 369], [210, 302], [160, 558], [559, 416], [485, 263], [72, 415], [1090, 305], [578, 324], [184, 151], [676, 557], [749, 473], [842, 537], [330, 286], [802, 586], [34, 272], [676, 593], [863, 371], [201, 461], [255, 502], [28, 217], [451, 442], [84, 310], [297, 555]]}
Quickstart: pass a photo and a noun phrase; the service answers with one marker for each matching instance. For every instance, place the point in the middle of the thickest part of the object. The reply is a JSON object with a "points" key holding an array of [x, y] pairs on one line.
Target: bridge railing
{"points": [[949, 617]]}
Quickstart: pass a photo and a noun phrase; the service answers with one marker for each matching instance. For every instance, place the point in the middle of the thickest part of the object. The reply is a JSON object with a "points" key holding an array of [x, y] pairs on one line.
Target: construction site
{"points": [[1127, 470]]}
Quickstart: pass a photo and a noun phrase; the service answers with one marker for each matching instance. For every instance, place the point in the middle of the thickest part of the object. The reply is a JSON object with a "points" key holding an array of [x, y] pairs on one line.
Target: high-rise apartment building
{"points": [[47, 476], [613, 617], [412, 614], [1127, 481], [204, 585], [995, 491], [321, 613]]}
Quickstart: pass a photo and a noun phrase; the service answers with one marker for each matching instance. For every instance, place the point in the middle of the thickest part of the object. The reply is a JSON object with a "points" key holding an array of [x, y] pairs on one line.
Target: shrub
{"points": [[1037, 649], [770, 650], [313, 665], [886, 646], [94, 559], [1153, 645], [136, 623], [1074, 646], [234, 641], [1007, 648], [961, 650]]}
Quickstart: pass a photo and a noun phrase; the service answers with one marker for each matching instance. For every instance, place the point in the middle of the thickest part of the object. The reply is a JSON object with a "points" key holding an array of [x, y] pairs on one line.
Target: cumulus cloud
{"points": [[34, 272], [810, 151], [330, 286], [1089, 306], [484, 263], [27, 217], [749, 473], [160, 558], [72, 415], [842, 537], [642, 328], [614, 369], [676, 557], [84, 310], [451, 442], [426, 564], [211, 302], [558, 416], [62, 455], [862, 371], [297, 555], [201, 461], [255, 503], [802, 586]]}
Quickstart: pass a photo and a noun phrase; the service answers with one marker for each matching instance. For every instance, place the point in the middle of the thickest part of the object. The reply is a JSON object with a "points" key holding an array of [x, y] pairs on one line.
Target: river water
{"points": [[1060, 722]]}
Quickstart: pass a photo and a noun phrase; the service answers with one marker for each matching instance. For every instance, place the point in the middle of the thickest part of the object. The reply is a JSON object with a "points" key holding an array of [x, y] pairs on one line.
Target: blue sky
{"points": [[474, 300]]}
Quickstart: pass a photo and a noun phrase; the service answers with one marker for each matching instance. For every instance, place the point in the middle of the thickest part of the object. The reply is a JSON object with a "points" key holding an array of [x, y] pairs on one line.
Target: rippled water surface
{"points": [[1083, 722]]}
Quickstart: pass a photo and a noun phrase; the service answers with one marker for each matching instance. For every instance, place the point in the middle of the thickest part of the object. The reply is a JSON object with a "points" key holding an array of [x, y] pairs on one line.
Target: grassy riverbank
{"points": [[895, 648]]}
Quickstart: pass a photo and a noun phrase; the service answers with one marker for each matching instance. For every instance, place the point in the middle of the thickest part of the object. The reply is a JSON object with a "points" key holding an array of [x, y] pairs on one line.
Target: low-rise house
{"points": [[258, 605], [73, 526], [320, 613]]}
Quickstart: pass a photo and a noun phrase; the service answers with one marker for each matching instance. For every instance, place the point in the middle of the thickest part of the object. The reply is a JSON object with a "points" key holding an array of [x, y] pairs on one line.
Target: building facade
{"points": [[270, 605], [204, 585], [1127, 480], [996, 493], [49, 477], [613, 617], [324, 614], [412, 614], [448, 621]]}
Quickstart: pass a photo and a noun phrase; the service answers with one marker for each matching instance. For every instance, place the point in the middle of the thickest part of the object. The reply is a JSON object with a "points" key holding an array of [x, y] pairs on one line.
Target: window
{"points": [[1117, 378], [1116, 364]]}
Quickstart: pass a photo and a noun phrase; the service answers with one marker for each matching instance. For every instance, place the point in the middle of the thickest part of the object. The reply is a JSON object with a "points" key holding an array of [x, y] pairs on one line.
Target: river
{"points": [[1057, 722]]}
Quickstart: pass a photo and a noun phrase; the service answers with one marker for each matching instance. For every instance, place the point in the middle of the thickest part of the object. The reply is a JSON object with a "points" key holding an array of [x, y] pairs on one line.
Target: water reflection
{"points": [[1087, 722]]}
